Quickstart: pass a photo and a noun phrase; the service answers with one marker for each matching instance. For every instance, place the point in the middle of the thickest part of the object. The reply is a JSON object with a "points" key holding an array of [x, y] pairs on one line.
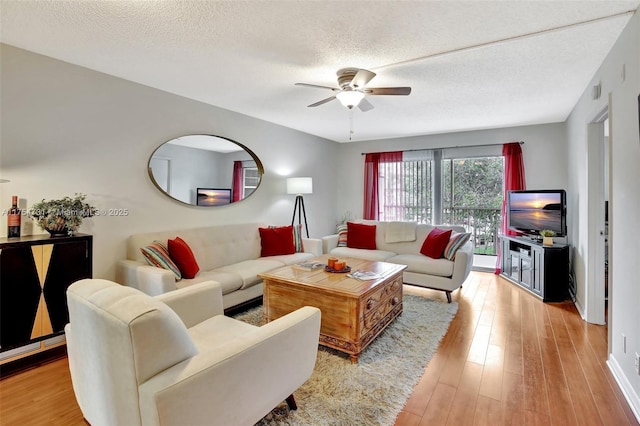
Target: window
{"points": [[250, 179], [439, 187], [405, 191], [472, 196]]}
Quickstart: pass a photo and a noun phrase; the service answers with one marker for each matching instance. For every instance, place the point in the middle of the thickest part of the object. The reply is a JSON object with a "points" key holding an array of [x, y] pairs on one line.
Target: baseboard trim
{"points": [[32, 361], [625, 386], [482, 269], [578, 305]]}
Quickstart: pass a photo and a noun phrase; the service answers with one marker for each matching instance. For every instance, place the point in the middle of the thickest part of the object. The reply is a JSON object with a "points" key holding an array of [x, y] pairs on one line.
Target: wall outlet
{"points": [[637, 362]]}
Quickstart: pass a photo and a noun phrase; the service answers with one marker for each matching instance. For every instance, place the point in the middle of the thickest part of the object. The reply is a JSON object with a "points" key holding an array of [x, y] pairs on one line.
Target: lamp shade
{"points": [[300, 185], [350, 98]]}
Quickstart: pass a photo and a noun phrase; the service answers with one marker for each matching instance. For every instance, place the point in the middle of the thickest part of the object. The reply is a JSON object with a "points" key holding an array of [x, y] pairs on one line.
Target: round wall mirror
{"points": [[205, 170]]}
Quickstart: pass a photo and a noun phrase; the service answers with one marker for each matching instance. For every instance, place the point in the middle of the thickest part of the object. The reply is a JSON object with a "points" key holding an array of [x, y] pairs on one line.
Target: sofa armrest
{"points": [[146, 278], [329, 243], [264, 366], [195, 303], [312, 245], [463, 263]]}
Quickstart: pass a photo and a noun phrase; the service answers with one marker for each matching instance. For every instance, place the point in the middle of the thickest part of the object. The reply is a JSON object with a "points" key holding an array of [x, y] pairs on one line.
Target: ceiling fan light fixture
{"points": [[350, 98]]}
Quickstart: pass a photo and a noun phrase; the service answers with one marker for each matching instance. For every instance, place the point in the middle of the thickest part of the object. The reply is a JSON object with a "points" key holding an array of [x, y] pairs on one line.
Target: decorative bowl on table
{"points": [[338, 271]]}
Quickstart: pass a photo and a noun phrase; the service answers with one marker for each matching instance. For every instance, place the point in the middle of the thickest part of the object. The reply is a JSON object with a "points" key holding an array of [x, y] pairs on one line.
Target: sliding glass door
{"points": [[472, 192], [434, 186]]}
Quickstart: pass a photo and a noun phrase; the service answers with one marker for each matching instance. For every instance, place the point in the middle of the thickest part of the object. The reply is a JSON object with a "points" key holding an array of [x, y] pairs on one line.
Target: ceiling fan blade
{"points": [[361, 79], [319, 87], [324, 101], [404, 91], [365, 105]]}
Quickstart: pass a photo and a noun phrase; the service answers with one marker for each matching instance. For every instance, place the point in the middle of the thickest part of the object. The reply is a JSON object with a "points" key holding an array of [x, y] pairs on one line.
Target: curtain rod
{"points": [[443, 147]]}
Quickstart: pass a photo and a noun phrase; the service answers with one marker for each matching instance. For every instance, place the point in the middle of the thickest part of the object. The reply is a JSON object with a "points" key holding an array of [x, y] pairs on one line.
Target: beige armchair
{"points": [[175, 359]]}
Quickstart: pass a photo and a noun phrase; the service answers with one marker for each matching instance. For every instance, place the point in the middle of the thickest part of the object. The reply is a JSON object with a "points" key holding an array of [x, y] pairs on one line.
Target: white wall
{"points": [[624, 199], [544, 152], [67, 129]]}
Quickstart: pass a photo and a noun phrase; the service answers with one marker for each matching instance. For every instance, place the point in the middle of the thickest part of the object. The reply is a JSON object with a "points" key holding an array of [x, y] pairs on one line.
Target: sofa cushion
{"points": [[276, 240], [229, 281], [183, 257], [297, 238], [249, 269], [456, 241], [424, 265], [377, 255], [435, 243], [396, 232], [156, 254], [360, 236], [290, 259], [342, 235]]}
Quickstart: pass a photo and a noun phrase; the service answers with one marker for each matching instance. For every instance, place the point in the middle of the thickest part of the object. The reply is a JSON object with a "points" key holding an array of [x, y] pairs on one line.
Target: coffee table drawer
{"points": [[378, 298], [381, 309]]}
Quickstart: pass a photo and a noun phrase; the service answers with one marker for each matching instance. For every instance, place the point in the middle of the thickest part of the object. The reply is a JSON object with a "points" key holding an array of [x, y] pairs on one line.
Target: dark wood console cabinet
{"points": [[543, 270], [35, 272]]}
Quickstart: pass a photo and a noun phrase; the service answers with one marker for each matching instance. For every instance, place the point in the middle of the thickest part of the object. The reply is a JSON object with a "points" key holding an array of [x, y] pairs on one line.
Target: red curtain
{"points": [[237, 181], [371, 174], [513, 180]]}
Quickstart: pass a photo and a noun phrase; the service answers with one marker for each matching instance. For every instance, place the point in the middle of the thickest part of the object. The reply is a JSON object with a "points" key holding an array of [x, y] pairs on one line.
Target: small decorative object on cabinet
{"points": [[14, 217], [61, 217], [547, 237], [540, 269], [35, 272]]}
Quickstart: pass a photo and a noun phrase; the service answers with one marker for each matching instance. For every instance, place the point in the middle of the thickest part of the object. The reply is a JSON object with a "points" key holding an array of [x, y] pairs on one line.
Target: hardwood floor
{"points": [[507, 359]]}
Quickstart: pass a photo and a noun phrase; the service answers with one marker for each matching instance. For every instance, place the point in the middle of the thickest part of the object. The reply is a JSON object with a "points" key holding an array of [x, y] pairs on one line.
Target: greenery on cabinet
{"points": [[63, 216]]}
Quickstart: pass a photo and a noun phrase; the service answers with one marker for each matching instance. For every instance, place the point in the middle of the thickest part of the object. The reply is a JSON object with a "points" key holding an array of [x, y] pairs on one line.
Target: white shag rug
{"points": [[374, 391]]}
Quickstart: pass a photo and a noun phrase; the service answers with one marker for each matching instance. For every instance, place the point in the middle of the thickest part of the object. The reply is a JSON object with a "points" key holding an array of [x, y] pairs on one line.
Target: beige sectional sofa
{"points": [[228, 254], [400, 243]]}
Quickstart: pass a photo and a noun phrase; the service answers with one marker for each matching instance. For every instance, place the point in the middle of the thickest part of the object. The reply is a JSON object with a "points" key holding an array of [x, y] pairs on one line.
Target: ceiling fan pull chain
{"points": [[350, 123]]}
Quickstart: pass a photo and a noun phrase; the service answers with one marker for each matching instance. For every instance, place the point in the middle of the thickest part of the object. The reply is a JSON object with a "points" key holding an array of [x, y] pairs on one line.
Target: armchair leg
{"points": [[448, 296], [291, 402]]}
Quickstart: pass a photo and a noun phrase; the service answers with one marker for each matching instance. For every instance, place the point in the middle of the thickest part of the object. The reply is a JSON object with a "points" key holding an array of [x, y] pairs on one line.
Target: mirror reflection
{"points": [[205, 170]]}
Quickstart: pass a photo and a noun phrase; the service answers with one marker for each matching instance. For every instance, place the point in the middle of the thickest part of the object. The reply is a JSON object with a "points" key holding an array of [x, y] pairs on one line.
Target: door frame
{"points": [[594, 291]]}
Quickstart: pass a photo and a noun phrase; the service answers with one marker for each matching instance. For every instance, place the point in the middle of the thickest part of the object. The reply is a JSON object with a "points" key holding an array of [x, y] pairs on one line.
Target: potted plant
{"points": [[63, 216], [346, 217], [547, 237]]}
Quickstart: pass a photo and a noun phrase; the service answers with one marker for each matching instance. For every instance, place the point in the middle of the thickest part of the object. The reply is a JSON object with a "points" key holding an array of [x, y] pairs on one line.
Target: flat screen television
{"points": [[213, 196], [531, 211]]}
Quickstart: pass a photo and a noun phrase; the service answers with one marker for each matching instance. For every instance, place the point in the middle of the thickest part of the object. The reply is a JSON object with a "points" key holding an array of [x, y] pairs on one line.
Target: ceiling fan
{"points": [[352, 89]]}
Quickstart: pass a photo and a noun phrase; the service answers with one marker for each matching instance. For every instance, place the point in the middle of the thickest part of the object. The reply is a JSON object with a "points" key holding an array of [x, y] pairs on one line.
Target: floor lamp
{"points": [[299, 186]]}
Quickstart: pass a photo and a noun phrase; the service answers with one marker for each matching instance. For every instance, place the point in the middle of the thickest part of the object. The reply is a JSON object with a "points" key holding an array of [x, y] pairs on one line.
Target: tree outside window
{"points": [[472, 196]]}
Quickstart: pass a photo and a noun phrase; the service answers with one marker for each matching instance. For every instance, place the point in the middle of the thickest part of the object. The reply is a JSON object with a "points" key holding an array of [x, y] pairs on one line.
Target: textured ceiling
{"points": [[246, 56]]}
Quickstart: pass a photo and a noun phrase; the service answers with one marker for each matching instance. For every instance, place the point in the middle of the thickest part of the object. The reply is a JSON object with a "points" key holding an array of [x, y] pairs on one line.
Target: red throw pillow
{"points": [[361, 236], [435, 243], [183, 257], [276, 240]]}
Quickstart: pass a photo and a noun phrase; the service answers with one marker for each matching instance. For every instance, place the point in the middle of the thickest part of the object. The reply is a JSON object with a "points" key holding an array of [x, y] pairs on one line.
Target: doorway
{"points": [[597, 289]]}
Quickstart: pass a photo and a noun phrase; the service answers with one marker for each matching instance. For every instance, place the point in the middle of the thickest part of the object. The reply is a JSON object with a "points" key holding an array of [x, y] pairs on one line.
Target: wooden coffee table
{"points": [[354, 312]]}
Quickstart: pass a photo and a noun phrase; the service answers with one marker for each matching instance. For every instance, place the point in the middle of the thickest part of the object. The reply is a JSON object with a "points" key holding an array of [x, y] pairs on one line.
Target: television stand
{"points": [[541, 270]]}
